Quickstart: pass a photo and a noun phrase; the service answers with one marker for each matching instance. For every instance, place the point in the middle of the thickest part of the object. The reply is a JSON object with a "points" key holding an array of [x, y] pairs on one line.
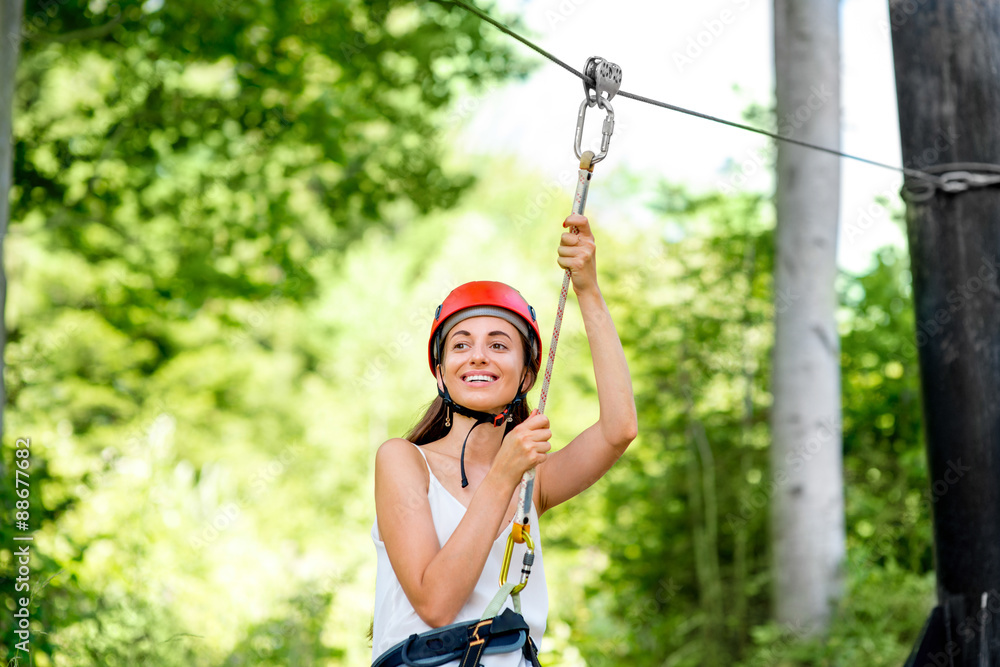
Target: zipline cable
{"points": [[952, 181]]}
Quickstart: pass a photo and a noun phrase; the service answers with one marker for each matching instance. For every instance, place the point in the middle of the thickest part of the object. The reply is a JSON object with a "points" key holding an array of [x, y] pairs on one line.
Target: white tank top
{"points": [[395, 618]]}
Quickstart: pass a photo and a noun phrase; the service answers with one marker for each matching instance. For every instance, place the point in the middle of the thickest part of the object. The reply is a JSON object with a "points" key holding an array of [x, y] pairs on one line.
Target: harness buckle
{"points": [[475, 639]]}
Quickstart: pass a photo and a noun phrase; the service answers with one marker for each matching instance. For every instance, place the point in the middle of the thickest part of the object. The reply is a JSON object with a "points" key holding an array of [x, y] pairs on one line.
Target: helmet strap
{"points": [[504, 417]]}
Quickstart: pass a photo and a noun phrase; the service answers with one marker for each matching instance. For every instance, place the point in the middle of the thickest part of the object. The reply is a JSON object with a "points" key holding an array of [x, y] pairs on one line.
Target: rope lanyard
{"points": [[607, 78]]}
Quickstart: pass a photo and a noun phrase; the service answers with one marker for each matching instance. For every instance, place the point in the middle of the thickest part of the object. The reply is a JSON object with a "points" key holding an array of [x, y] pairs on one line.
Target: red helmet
{"points": [[479, 298]]}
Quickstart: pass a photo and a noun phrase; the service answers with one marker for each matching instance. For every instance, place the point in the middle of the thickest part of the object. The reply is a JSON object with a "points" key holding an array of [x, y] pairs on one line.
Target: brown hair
{"points": [[431, 426]]}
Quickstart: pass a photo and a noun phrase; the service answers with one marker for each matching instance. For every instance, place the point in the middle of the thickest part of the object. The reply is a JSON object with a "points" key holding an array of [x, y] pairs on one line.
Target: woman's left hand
{"points": [[577, 252]]}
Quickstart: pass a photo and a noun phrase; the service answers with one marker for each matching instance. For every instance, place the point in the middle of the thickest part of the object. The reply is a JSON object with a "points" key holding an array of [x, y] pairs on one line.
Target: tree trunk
{"points": [[11, 12], [947, 55], [807, 508]]}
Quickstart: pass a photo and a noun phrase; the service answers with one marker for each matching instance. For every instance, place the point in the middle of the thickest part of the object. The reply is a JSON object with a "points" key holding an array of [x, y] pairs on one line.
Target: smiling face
{"points": [[483, 363]]}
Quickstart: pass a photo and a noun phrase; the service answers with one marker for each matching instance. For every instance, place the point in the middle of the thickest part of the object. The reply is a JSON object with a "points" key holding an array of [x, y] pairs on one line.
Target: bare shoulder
{"points": [[398, 459], [401, 486]]}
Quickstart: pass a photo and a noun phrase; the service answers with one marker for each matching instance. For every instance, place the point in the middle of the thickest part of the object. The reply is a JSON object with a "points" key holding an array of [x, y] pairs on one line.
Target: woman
{"points": [[446, 495]]}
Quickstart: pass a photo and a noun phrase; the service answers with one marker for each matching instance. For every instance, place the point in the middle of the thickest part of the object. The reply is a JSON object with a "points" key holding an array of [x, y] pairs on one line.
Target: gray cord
{"points": [[957, 177]]}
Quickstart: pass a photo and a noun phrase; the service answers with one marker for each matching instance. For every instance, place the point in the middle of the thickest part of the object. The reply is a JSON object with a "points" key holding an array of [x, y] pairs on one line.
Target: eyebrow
{"points": [[492, 333]]}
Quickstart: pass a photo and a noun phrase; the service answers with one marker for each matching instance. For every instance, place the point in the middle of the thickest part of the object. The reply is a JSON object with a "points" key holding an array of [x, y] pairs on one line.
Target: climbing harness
{"points": [[507, 631], [466, 642]]}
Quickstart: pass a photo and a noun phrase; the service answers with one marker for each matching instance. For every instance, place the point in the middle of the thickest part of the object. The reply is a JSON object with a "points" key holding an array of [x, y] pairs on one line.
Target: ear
{"points": [[439, 374], [527, 380]]}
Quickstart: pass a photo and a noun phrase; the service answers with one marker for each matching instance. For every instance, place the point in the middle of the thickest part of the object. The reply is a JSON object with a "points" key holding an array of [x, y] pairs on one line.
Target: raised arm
{"points": [[592, 453]]}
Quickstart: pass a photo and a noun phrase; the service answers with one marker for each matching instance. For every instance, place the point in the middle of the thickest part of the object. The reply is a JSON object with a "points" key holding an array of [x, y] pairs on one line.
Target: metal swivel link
{"points": [[607, 78]]}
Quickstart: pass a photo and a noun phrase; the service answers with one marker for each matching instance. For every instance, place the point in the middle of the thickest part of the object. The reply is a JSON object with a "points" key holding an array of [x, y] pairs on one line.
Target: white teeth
{"points": [[479, 378]]}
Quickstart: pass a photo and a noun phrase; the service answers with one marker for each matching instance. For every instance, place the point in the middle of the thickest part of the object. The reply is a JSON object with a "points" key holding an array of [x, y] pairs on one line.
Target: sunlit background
{"points": [[229, 234], [715, 57]]}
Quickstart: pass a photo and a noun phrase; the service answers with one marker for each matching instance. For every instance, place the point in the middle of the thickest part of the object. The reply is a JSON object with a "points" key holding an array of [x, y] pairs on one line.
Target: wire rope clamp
{"points": [[607, 79]]}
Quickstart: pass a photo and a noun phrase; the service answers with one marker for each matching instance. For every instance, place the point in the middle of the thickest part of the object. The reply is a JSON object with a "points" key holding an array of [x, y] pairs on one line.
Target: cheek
{"points": [[448, 366]]}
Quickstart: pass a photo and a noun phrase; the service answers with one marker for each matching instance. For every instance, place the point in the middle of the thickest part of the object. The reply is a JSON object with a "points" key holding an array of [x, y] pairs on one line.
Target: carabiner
{"points": [[609, 127], [529, 559]]}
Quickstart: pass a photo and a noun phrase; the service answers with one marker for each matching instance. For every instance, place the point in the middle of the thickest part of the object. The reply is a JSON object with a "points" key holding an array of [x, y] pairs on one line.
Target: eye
{"points": [[459, 346], [499, 346]]}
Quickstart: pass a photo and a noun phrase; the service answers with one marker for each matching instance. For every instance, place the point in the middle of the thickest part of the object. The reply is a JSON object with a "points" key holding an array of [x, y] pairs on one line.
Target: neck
{"points": [[484, 441]]}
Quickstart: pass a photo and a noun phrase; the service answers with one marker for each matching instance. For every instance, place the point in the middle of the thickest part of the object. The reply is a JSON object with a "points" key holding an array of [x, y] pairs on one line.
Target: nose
{"points": [[478, 354]]}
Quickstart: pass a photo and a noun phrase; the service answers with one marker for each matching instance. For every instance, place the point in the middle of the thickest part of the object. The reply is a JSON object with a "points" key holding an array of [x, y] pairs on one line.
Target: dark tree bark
{"points": [[947, 62]]}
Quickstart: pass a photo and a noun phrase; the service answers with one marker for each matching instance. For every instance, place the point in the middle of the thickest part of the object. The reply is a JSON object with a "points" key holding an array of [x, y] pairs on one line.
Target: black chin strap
{"points": [[465, 480], [481, 418]]}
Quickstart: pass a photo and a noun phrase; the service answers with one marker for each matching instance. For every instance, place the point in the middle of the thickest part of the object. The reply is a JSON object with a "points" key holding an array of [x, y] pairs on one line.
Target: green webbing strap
{"points": [[493, 608]]}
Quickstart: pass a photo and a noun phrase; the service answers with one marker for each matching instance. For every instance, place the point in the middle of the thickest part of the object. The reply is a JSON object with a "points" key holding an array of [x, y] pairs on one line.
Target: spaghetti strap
{"points": [[424, 457]]}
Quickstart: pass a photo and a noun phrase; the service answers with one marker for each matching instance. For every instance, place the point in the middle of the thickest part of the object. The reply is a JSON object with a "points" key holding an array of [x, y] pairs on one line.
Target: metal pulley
{"points": [[607, 79]]}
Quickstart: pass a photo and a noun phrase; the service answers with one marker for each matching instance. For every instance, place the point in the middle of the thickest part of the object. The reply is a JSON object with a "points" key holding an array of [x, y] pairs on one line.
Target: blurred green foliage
{"points": [[188, 178], [231, 226], [686, 580]]}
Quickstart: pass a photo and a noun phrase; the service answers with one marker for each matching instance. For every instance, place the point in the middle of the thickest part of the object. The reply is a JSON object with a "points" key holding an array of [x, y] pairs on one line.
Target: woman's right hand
{"points": [[524, 448]]}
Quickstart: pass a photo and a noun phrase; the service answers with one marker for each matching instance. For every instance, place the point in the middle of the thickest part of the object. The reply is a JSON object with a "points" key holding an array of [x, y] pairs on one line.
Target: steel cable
{"points": [[953, 181]]}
